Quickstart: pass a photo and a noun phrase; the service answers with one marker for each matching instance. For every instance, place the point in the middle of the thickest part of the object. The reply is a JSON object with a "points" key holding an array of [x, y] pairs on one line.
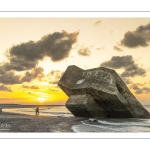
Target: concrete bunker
{"points": [[99, 92]]}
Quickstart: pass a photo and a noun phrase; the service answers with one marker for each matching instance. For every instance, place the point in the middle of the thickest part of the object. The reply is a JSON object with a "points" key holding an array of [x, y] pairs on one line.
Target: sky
{"points": [[34, 53]]}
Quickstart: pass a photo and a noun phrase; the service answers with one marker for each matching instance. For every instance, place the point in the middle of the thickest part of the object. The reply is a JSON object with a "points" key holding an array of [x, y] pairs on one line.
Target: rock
{"points": [[99, 92]]}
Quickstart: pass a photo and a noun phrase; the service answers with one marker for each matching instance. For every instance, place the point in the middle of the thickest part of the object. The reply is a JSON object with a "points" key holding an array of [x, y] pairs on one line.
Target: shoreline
{"points": [[15, 122]]}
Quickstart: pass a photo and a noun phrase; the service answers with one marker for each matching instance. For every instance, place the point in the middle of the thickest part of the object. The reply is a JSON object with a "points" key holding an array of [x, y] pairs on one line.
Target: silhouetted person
{"points": [[37, 111]]}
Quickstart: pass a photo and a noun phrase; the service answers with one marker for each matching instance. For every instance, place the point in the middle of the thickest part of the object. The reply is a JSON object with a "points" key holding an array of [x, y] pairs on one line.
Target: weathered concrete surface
{"points": [[85, 106], [99, 92]]}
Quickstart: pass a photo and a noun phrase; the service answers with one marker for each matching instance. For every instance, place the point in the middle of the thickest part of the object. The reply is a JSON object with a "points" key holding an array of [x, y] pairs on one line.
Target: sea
{"points": [[132, 125]]}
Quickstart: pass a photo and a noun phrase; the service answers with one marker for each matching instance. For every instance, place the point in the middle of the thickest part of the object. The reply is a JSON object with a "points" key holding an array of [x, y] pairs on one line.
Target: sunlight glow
{"points": [[44, 83], [41, 99]]}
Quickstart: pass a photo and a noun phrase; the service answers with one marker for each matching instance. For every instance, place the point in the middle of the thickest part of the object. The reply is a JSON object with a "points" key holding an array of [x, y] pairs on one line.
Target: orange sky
{"points": [[32, 65]]}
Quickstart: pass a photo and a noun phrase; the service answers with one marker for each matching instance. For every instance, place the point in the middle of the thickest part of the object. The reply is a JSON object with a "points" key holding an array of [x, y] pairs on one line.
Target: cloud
{"points": [[139, 37], [30, 87], [55, 73], [118, 48], [10, 77], [54, 76], [18, 64], [84, 51], [25, 86], [126, 62], [34, 87], [26, 55], [100, 48], [126, 80], [97, 23], [53, 82], [5, 88], [132, 73], [54, 90], [118, 62], [140, 89], [36, 73]]}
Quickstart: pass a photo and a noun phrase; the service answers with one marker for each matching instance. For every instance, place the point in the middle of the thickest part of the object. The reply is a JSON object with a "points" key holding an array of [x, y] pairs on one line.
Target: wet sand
{"points": [[11, 122]]}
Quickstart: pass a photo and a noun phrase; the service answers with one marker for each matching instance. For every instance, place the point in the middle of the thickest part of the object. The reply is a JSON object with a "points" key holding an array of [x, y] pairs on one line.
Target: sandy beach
{"points": [[13, 122], [57, 119]]}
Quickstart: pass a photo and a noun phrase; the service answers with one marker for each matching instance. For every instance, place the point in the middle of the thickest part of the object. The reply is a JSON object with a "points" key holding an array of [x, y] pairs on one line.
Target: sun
{"points": [[41, 99]]}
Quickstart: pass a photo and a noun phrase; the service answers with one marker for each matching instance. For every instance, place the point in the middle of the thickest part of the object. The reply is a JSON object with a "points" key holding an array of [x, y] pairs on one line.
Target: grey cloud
{"points": [[100, 48], [25, 86], [10, 77], [139, 37], [126, 80], [25, 56], [146, 90], [84, 51], [54, 90], [55, 73], [126, 62], [118, 48], [139, 91], [18, 64], [54, 76], [53, 82], [5, 88], [33, 74], [118, 62], [30, 87], [136, 86], [140, 88], [132, 73], [34, 87]]}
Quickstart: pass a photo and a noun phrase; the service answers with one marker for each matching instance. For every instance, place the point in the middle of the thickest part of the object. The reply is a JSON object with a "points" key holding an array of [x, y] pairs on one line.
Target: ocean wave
{"points": [[105, 126], [85, 127], [102, 127], [125, 123]]}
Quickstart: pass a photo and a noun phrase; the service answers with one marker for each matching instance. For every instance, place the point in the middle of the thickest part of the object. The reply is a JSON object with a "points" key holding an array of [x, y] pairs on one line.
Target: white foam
{"points": [[84, 128], [76, 128], [125, 123], [102, 127], [112, 127]]}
